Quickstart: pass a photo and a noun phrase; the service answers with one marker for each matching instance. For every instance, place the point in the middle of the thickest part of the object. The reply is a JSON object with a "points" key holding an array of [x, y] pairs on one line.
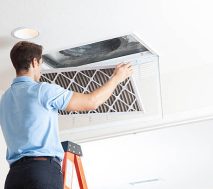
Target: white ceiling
{"points": [[180, 32]]}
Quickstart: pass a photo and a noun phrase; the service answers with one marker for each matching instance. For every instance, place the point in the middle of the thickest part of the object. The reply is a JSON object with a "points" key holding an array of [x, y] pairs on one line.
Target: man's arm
{"points": [[91, 101]]}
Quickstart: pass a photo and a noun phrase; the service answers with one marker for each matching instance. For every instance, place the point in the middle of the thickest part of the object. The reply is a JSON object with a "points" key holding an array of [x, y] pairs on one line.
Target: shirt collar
{"points": [[22, 79]]}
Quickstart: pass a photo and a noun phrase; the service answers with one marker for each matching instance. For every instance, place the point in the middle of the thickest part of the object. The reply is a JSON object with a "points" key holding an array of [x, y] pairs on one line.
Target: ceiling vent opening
{"points": [[94, 52], [87, 67]]}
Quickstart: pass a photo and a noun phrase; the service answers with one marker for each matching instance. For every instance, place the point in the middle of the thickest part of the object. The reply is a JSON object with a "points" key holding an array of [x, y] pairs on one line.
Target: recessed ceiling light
{"points": [[25, 33]]}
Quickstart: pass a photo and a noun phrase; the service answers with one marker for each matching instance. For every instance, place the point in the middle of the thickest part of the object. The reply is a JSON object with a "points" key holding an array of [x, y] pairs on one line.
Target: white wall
{"points": [[181, 157]]}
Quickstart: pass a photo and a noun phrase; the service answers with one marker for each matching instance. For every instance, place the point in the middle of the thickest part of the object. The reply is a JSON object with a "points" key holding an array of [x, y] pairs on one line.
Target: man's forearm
{"points": [[101, 94], [91, 101]]}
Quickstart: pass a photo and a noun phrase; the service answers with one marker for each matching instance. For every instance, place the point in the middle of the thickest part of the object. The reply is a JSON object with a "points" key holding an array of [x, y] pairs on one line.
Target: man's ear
{"points": [[34, 62]]}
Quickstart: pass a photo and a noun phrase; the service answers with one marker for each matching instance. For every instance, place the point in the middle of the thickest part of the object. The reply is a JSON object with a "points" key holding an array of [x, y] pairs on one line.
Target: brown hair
{"points": [[23, 53]]}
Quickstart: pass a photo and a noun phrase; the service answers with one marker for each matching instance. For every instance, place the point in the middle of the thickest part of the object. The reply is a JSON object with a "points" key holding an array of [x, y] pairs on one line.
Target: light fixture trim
{"points": [[25, 33], [145, 181]]}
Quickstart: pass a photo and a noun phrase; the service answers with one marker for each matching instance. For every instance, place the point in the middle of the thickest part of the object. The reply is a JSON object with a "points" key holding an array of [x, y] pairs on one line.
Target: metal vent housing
{"points": [[87, 67]]}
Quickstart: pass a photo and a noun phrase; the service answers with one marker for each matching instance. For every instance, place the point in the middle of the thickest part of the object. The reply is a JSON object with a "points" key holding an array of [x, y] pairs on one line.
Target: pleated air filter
{"points": [[123, 99]]}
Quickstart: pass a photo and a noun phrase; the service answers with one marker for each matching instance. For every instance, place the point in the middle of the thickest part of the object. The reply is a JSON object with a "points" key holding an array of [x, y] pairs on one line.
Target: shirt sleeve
{"points": [[53, 96]]}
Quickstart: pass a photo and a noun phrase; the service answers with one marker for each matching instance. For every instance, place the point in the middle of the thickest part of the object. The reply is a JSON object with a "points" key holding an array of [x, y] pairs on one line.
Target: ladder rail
{"points": [[72, 159]]}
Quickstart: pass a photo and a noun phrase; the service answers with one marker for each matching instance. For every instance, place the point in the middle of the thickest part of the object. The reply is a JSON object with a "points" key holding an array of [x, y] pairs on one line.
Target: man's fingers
{"points": [[130, 69], [119, 65], [128, 64]]}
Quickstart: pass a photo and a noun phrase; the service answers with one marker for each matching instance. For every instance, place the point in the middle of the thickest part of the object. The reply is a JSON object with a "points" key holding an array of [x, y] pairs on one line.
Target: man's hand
{"points": [[122, 71]]}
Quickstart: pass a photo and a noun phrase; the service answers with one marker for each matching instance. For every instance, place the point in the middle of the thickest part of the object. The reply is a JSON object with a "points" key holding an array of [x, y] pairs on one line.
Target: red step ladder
{"points": [[72, 159]]}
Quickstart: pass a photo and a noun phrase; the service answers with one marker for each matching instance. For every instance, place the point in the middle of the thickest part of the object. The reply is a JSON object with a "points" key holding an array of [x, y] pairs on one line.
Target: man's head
{"points": [[27, 58]]}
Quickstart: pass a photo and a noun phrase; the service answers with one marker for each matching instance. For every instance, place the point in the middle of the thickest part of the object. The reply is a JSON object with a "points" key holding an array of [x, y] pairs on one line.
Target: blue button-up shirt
{"points": [[29, 118]]}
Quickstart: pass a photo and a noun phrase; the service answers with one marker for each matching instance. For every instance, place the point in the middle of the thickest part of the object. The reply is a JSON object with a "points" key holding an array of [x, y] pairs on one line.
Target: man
{"points": [[29, 119]]}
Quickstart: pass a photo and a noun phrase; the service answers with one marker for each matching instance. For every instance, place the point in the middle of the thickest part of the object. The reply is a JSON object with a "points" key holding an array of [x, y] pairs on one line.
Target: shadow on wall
{"points": [[6, 42]]}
